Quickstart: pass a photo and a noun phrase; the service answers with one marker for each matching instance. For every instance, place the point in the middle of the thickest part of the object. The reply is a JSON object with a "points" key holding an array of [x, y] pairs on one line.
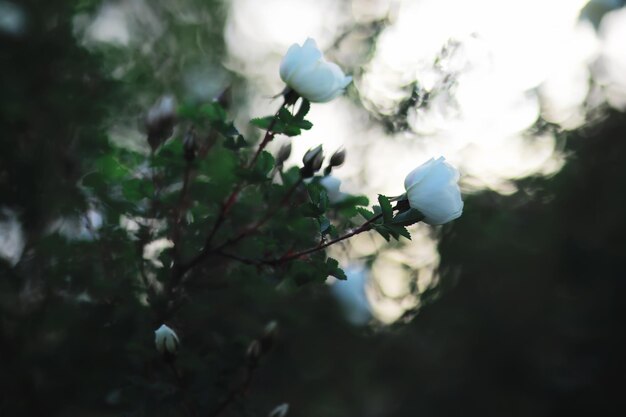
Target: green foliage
{"points": [[285, 122]]}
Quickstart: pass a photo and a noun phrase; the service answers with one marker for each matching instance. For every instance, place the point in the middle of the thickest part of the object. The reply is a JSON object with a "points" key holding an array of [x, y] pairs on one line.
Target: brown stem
{"points": [[228, 203], [178, 210], [255, 228], [289, 257], [232, 395]]}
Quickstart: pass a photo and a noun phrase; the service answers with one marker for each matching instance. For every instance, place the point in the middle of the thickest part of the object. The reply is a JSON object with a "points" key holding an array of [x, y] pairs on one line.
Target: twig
{"points": [[289, 257], [228, 203], [255, 228]]}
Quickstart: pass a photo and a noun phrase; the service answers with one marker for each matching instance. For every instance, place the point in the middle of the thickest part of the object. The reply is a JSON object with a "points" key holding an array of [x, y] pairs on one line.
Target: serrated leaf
{"points": [[383, 231], [407, 218], [385, 206], [305, 106], [304, 124], [399, 230], [289, 130], [334, 270], [365, 213], [262, 122], [285, 115]]}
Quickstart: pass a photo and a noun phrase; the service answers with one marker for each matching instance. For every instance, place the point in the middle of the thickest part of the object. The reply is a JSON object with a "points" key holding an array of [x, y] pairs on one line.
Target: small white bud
{"points": [[279, 411], [166, 340]]}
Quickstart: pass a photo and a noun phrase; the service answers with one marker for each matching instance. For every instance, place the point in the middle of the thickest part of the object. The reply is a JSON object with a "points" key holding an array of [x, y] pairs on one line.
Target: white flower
{"points": [[166, 340], [305, 70], [433, 190]]}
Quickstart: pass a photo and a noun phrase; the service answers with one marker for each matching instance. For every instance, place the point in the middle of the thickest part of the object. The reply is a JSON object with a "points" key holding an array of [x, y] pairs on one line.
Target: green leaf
{"points": [[407, 218], [303, 124], [111, 168], [334, 270], [310, 210], [385, 205], [137, 189], [305, 106], [285, 116], [398, 230], [214, 112], [290, 176], [262, 122], [383, 231], [235, 143], [365, 213], [264, 164], [324, 224]]}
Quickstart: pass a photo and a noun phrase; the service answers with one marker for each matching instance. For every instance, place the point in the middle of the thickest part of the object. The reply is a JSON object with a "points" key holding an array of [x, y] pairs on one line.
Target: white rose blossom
{"points": [[305, 70], [432, 188], [166, 340]]}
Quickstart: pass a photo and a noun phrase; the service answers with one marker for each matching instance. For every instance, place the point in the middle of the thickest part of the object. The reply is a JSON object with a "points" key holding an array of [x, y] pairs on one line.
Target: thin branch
{"points": [[232, 395], [289, 257], [255, 228], [178, 210], [228, 203]]}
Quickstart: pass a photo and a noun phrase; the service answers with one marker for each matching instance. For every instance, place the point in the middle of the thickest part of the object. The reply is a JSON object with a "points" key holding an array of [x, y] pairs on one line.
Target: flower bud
{"points": [[269, 335], [317, 162], [253, 353], [432, 189], [190, 145], [279, 411], [283, 154], [160, 121], [305, 70], [338, 158], [312, 160], [166, 340], [311, 154]]}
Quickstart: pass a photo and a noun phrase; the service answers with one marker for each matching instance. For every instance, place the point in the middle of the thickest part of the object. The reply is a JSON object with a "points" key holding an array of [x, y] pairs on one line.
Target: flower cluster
{"points": [[431, 188]]}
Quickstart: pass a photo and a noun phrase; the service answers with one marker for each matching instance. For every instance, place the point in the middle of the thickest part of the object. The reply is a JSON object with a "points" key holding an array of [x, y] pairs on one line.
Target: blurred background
{"points": [[514, 309]]}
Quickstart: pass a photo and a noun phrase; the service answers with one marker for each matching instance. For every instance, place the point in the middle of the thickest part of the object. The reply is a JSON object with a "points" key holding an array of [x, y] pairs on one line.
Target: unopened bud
{"points": [[317, 162], [338, 158], [253, 353], [310, 155], [160, 121], [312, 160], [190, 145], [283, 154], [166, 340], [269, 335], [279, 411]]}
